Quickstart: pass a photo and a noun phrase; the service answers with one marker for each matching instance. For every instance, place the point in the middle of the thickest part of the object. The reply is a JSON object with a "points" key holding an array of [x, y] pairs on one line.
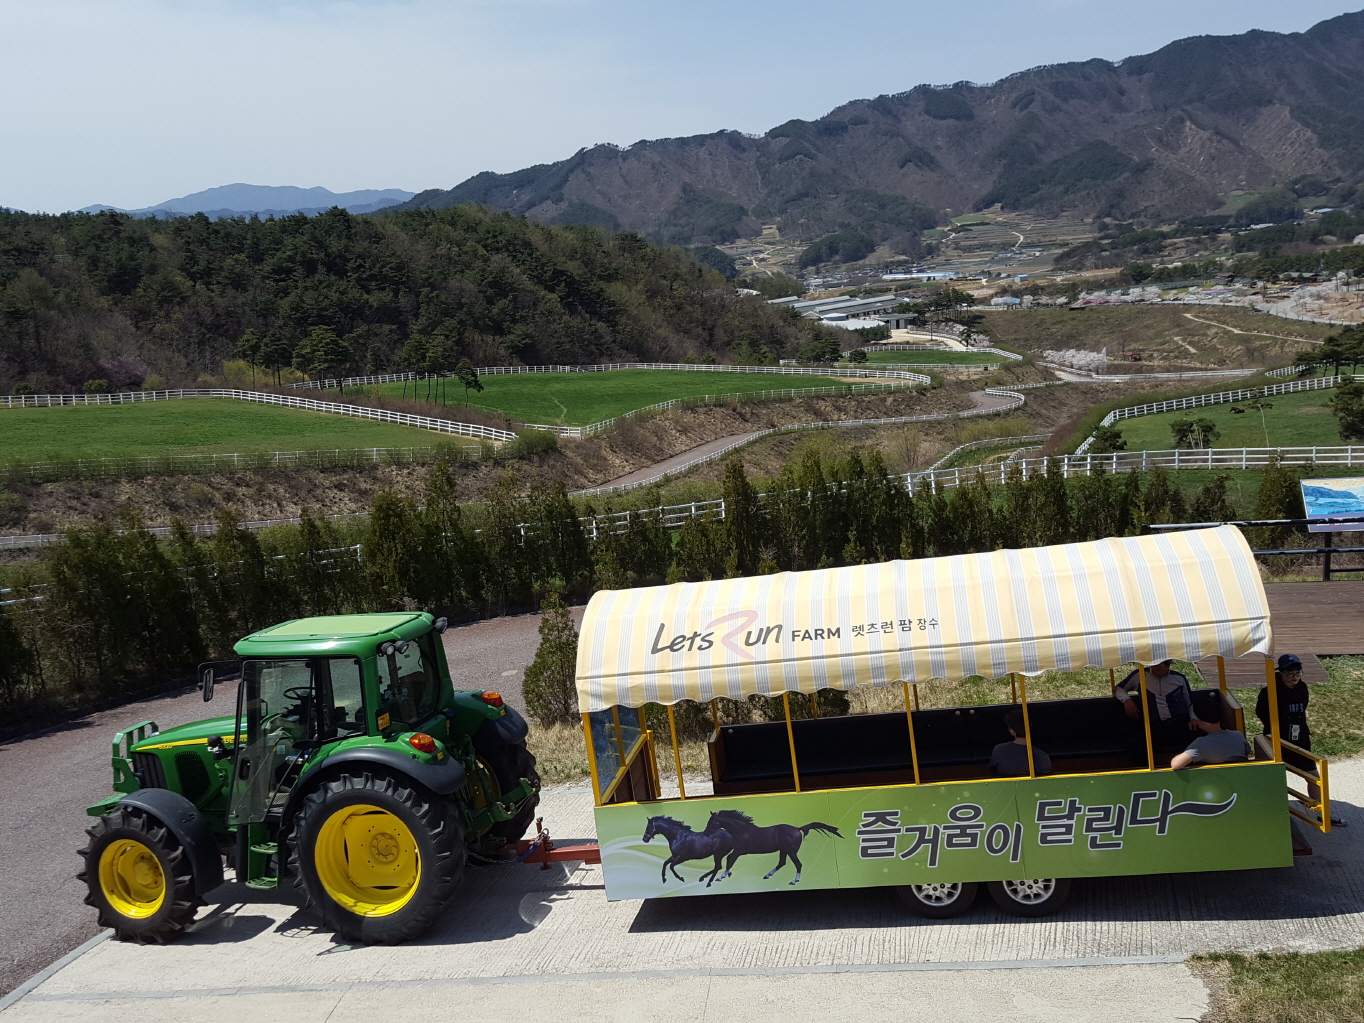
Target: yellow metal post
{"points": [[620, 735], [1146, 719], [1273, 683], [916, 696], [677, 753], [1027, 727], [913, 749], [592, 760], [652, 764], [791, 738], [1324, 799], [814, 705], [1222, 674], [1112, 682], [1013, 687]]}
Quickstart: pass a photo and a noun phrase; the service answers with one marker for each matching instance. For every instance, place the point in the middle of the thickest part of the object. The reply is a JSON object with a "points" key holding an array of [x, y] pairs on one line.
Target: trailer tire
{"points": [[378, 857], [939, 901], [1037, 896], [138, 877], [510, 763]]}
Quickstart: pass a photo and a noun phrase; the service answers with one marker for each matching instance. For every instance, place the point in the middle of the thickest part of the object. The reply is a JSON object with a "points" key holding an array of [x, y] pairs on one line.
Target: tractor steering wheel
{"points": [[298, 693]]}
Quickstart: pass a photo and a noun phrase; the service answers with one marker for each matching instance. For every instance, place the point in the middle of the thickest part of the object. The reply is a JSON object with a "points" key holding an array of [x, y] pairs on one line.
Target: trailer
{"points": [[906, 798]]}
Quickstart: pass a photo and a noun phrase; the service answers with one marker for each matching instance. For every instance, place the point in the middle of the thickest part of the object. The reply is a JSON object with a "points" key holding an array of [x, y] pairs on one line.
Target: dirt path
{"points": [[1256, 333]]}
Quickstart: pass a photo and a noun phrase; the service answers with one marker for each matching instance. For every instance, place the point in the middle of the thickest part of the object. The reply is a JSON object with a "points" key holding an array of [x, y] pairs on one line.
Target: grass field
{"points": [[191, 425], [956, 358], [577, 399], [1300, 419]]}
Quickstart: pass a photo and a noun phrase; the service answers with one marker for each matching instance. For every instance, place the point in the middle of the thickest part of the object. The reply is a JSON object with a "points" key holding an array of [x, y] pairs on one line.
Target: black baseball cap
{"points": [[1290, 662]]}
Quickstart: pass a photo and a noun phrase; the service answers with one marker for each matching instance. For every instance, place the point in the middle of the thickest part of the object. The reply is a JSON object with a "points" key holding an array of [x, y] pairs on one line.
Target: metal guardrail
{"points": [[1202, 400], [1324, 552]]}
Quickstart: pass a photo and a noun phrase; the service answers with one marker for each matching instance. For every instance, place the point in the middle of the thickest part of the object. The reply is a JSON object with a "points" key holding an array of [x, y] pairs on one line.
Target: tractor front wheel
{"points": [[378, 858], [138, 877]]}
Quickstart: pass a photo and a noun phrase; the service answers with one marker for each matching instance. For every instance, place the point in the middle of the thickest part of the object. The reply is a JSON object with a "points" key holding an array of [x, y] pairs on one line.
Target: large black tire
{"points": [[379, 858], [510, 763], [138, 877], [939, 901], [1038, 896]]}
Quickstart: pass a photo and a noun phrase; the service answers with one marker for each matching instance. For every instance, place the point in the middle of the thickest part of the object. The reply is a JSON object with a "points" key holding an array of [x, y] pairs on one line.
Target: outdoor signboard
{"points": [[1342, 496], [1227, 817]]}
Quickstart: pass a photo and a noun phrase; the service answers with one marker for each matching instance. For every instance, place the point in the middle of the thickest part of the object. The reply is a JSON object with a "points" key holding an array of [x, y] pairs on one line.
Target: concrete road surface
{"points": [[528, 937], [51, 777]]}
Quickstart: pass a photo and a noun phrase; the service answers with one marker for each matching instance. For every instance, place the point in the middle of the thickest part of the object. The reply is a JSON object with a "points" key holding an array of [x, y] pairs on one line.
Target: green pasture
{"points": [[578, 399], [1296, 420], [186, 426], [953, 357]]}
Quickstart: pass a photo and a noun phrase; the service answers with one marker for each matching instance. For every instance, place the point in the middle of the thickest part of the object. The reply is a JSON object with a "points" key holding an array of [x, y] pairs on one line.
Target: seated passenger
{"points": [[1216, 745], [1010, 759]]}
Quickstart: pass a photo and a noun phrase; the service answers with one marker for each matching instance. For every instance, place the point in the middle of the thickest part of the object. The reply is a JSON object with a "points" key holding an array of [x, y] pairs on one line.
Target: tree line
{"points": [[113, 298], [119, 608]]}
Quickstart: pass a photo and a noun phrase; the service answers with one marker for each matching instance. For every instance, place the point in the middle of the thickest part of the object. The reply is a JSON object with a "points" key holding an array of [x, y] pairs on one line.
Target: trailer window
{"points": [[410, 684]]}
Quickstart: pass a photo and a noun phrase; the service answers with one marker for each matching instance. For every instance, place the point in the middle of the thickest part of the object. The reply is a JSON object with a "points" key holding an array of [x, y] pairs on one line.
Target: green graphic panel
{"points": [[1229, 817]]}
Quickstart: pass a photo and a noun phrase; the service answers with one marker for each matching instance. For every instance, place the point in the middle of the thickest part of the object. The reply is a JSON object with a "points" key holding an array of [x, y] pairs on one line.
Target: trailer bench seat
{"points": [[873, 749]]}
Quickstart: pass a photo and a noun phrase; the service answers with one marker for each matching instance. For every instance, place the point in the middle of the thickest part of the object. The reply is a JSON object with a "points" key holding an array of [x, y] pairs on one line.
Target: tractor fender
{"points": [[508, 730], [443, 777], [190, 829]]}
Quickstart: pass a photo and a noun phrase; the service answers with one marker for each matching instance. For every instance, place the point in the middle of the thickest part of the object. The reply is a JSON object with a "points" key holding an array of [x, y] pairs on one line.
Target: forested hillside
{"points": [[130, 301]]}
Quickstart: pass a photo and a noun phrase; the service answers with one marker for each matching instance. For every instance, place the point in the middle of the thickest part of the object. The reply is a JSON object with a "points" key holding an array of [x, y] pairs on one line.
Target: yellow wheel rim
{"points": [[131, 878], [367, 860]]}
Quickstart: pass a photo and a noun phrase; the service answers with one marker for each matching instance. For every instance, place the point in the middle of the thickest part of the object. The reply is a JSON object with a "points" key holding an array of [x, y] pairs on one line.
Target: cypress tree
{"points": [[550, 686], [741, 521]]}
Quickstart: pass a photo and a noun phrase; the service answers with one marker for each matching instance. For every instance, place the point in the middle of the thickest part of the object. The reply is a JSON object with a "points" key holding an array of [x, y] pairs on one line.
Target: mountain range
{"points": [[242, 200], [1166, 134]]}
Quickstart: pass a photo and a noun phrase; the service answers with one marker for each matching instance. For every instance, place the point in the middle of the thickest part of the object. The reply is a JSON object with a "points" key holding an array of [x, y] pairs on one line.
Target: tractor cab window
{"points": [[279, 700], [347, 703], [409, 684]]}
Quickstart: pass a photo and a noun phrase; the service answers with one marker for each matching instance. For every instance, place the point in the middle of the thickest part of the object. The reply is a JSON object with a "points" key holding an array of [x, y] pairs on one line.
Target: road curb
{"points": [[44, 974]]}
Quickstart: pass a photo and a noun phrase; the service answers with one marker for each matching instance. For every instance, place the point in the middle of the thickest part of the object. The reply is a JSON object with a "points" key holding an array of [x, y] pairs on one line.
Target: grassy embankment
{"points": [[579, 399], [917, 358], [188, 426], [1285, 987]]}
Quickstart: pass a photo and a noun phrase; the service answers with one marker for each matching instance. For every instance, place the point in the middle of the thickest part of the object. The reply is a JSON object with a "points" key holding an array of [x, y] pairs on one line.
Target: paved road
{"points": [[50, 778], [979, 400], [526, 936]]}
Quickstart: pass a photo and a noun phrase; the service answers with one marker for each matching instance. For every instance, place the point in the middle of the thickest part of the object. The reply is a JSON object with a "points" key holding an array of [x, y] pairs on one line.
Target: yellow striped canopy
{"points": [[1185, 595]]}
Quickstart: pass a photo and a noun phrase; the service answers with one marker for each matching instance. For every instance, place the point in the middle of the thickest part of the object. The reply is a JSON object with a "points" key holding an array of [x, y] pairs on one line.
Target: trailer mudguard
{"points": [[190, 829]]}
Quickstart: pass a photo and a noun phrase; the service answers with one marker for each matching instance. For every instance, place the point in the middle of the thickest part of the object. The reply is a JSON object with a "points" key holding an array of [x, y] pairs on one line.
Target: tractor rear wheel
{"points": [[138, 877], [509, 764], [379, 858]]}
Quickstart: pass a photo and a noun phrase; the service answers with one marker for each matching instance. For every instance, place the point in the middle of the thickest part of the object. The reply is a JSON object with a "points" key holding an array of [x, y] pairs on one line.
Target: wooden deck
{"points": [[1310, 620]]}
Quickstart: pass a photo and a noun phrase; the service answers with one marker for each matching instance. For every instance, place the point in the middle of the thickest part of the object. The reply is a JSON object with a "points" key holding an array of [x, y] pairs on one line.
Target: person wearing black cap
{"points": [[1293, 698]]}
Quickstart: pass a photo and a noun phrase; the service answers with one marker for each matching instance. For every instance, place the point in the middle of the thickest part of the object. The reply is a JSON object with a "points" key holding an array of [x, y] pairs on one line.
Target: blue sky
{"points": [[134, 102]]}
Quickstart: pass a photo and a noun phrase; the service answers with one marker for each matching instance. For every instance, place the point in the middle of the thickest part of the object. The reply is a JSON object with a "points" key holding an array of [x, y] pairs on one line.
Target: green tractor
{"points": [[351, 765]]}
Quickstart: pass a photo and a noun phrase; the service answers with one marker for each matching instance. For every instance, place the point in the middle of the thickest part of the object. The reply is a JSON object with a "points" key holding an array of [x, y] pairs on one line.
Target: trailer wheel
{"points": [[939, 901], [1037, 896], [138, 877], [380, 859], [509, 764]]}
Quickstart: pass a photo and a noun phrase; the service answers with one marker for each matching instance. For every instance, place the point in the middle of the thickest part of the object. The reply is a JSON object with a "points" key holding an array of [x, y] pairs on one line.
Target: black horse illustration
{"points": [[747, 837], [685, 844]]}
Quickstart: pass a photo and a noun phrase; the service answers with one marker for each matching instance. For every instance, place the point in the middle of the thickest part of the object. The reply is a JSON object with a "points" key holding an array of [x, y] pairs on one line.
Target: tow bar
{"points": [[542, 850]]}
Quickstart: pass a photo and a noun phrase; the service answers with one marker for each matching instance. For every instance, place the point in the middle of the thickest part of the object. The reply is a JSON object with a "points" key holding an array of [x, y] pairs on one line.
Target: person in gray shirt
{"points": [[1216, 745], [1010, 759]]}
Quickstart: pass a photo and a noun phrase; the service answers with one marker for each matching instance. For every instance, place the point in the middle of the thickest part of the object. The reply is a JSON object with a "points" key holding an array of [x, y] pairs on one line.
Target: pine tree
{"points": [[741, 520], [550, 685]]}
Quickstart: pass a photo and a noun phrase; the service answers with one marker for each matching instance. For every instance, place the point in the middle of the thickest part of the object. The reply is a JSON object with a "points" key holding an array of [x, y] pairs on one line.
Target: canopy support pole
{"points": [[652, 762], [814, 705], [677, 753], [1222, 674], [1112, 682], [1146, 719], [916, 696], [791, 738], [909, 720], [592, 760], [620, 735], [1013, 688], [1022, 683], [1272, 682]]}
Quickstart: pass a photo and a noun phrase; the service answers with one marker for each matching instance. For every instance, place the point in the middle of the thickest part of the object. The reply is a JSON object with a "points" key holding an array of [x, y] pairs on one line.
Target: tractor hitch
{"points": [[542, 850]]}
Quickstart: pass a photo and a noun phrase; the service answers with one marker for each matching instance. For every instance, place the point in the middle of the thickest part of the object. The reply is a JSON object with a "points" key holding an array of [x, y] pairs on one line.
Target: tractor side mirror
{"points": [[206, 683]]}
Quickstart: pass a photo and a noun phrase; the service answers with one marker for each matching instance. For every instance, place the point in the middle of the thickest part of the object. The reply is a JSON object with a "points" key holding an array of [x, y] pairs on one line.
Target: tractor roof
{"points": [[332, 635]]}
